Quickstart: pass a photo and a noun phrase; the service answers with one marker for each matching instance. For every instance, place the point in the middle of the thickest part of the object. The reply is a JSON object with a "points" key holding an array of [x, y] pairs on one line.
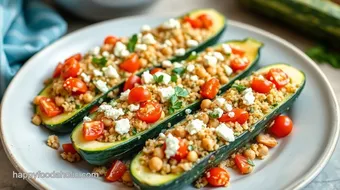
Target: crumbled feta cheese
{"points": [[226, 49], [166, 93], [248, 96], [161, 135], [219, 56], [228, 107], [124, 95], [147, 78], [122, 126], [177, 65], [97, 73], [180, 52], [110, 72], [145, 28], [101, 85], [188, 111], [218, 112], [148, 39], [190, 68], [133, 107], [86, 78], [119, 48], [105, 54], [166, 64], [166, 77], [192, 43], [113, 113], [231, 114], [220, 101], [95, 50], [104, 107], [210, 60], [172, 145], [171, 24], [225, 132], [141, 47], [168, 43], [195, 126], [124, 53], [228, 70], [194, 78], [87, 119]]}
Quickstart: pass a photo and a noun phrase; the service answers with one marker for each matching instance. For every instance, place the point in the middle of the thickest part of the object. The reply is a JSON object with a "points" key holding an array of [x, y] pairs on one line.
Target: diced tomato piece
{"points": [[71, 68], [242, 164], [75, 85], [48, 107], [111, 40], [278, 77], [206, 20], [150, 111], [217, 177], [237, 51], [210, 88], [282, 126], [92, 130], [155, 70], [131, 64], [57, 70], [240, 116], [195, 23], [182, 151], [261, 85], [131, 81], [239, 64], [69, 148], [139, 94], [116, 171], [75, 56]]}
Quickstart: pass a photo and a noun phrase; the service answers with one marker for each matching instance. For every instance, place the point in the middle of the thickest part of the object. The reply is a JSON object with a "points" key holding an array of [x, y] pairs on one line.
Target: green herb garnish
{"points": [[192, 56], [191, 147], [324, 55], [174, 103], [134, 131], [173, 78], [250, 162], [239, 88], [181, 92], [101, 62], [158, 79], [179, 71], [78, 106], [132, 43], [213, 115]]}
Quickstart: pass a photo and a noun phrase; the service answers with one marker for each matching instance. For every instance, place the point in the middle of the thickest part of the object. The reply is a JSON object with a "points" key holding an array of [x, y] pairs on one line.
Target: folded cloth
{"points": [[26, 26]]}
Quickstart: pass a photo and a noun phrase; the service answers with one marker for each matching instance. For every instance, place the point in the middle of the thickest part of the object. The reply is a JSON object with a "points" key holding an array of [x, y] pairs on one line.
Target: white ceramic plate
{"points": [[291, 165]]}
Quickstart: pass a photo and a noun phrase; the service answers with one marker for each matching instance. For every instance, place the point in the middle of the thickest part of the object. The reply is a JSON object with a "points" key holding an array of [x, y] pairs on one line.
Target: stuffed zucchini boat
{"points": [[181, 154], [163, 99], [81, 82]]}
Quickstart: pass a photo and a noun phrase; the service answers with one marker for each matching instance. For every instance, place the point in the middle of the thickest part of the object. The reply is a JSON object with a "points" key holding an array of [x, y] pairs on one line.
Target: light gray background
{"points": [[330, 176]]}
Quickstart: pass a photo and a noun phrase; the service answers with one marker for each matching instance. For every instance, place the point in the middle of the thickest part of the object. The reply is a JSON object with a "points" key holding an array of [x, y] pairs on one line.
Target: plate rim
{"points": [[297, 184]]}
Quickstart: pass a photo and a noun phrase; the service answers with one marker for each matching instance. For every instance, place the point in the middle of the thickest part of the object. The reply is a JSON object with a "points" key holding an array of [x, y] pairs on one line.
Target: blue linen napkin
{"points": [[26, 26]]}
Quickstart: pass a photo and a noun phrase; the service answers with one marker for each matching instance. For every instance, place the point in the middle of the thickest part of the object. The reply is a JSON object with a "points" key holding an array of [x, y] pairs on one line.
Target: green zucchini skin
{"points": [[222, 153], [68, 125], [100, 157], [317, 18]]}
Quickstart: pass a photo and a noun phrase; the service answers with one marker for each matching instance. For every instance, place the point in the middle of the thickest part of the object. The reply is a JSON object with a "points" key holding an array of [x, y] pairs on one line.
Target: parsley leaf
{"points": [[239, 87], [173, 99], [132, 43], [179, 71], [158, 79], [192, 56], [324, 55], [173, 78], [134, 131], [101, 62], [181, 92], [250, 162], [174, 104], [213, 115]]}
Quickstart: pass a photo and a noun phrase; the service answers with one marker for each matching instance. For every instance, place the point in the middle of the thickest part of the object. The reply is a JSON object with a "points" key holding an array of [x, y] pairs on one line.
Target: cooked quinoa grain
{"points": [[68, 156], [53, 141]]}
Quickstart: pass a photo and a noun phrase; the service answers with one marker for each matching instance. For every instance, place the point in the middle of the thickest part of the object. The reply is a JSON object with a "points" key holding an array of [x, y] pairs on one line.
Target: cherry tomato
{"points": [[94, 108], [210, 88], [131, 64], [110, 40], [69, 148], [278, 77], [71, 68], [48, 107], [195, 23], [261, 85], [206, 20], [116, 171], [57, 70], [242, 164], [239, 64], [138, 94], [75, 85], [237, 51], [155, 70], [217, 177], [92, 130], [75, 56], [240, 116], [282, 127], [182, 151], [150, 111], [131, 81]]}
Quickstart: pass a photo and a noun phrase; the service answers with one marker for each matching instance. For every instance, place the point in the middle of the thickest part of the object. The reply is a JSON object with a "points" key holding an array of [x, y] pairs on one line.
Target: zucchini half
{"points": [[99, 153], [143, 178], [67, 121]]}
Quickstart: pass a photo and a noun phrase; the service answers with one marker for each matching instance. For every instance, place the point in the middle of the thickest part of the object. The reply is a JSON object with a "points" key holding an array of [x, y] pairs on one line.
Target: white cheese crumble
{"points": [[141, 47], [95, 50], [148, 39], [161, 135], [231, 114], [124, 53], [210, 60], [105, 54], [172, 145], [97, 73], [218, 112], [190, 68], [171, 24], [225, 132], [166, 93], [114, 113], [195, 126], [180, 52], [145, 28], [188, 111], [194, 78], [248, 96], [122, 126], [228, 107], [124, 95], [120, 49], [228, 70], [177, 65], [226, 49], [86, 78], [219, 56], [168, 43], [101, 85], [87, 119], [110, 72], [166, 64], [147, 78], [133, 107], [166, 77], [192, 43], [220, 101]]}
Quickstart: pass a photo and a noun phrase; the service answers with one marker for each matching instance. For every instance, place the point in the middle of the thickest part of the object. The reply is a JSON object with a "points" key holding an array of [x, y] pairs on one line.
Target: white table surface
{"points": [[330, 176]]}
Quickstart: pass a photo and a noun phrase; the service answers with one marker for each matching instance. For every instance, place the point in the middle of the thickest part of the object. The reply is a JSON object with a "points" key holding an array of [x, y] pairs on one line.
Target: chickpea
{"points": [[224, 80], [262, 151], [213, 123], [204, 117], [192, 156], [126, 177], [155, 164], [158, 152], [176, 169], [162, 115], [36, 120], [143, 62], [107, 122], [267, 140], [212, 70], [208, 144], [87, 97], [37, 100], [201, 72], [59, 100], [249, 153], [180, 132], [248, 170], [206, 103], [167, 51]]}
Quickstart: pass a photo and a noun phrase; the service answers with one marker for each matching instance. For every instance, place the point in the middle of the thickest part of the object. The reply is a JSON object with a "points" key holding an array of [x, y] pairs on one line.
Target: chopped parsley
{"points": [[173, 78], [239, 88], [158, 79], [134, 131], [132, 43], [192, 56], [213, 115], [181, 92], [179, 71], [101, 62], [175, 104], [250, 162]]}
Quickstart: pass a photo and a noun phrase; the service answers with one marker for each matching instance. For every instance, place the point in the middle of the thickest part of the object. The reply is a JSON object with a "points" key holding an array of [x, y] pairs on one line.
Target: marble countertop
{"points": [[328, 179]]}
